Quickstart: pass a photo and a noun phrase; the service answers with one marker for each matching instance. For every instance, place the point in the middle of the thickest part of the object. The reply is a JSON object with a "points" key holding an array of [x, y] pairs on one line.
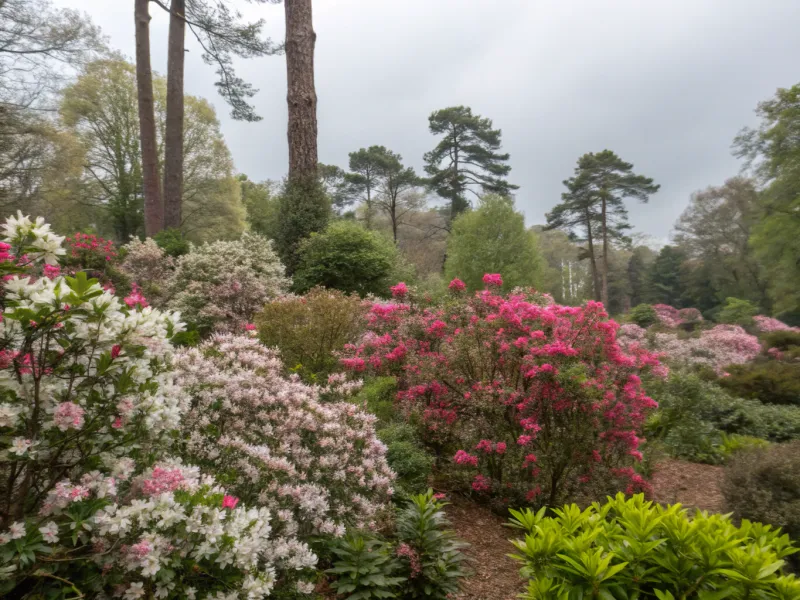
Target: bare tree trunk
{"points": [[173, 137], [301, 96], [604, 292], [153, 205], [592, 259]]}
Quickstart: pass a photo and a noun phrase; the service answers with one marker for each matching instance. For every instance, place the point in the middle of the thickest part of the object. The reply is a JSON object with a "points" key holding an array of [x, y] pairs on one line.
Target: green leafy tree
{"points": [[468, 158], [665, 283], [737, 311], [334, 181], [100, 109], [715, 229], [566, 276], [641, 259], [261, 203], [773, 150], [346, 257], [597, 194], [396, 183], [493, 239]]}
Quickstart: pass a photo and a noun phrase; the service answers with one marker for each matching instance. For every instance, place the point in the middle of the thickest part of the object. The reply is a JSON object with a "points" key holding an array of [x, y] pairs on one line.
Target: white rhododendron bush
{"points": [[91, 502], [317, 465]]}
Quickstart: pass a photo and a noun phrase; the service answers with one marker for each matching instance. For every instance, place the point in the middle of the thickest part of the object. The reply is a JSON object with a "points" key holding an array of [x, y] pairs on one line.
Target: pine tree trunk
{"points": [[153, 205], [592, 259], [301, 96], [173, 137], [604, 294]]}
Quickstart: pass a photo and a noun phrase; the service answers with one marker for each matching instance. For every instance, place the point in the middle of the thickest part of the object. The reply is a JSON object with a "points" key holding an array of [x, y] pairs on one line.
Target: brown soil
{"points": [[692, 484], [494, 575]]}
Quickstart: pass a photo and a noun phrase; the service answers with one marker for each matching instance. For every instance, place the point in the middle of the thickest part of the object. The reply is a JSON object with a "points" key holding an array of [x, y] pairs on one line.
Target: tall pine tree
{"points": [[468, 158], [597, 191]]}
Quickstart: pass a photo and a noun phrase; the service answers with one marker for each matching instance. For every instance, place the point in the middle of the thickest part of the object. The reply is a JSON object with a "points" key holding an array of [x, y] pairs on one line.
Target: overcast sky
{"points": [[666, 85]]}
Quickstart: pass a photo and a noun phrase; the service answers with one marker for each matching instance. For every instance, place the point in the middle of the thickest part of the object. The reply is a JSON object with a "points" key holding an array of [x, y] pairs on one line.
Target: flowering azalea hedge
{"points": [[533, 401]]}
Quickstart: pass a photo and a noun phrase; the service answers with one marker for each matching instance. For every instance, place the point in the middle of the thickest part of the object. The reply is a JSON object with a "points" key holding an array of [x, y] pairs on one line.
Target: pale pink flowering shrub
{"points": [[222, 285], [766, 324], [533, 401], [150, 267], [318, 466], [668, 316]]}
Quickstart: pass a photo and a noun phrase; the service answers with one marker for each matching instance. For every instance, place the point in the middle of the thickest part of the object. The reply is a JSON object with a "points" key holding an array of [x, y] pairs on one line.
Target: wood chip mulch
{"points": [[494, 575], [692, 484]]}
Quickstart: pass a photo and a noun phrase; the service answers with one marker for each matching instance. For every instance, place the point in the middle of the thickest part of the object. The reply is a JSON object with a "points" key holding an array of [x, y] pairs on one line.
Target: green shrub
{"points": [[790, 317], [735, 443], [412, 465], [771, 382], [643, 315], [364, 568], [764, 485], [783, 340], [377, 396], [349, 258], [303, 209], [737, 312], [431, 550], [686, 398], [423, 561], [309, 330], [172, 242], [628, 548]]}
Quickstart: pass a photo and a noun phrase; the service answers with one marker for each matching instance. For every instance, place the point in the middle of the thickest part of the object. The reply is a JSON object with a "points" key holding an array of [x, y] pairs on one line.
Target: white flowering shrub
{"points": [[220, 286], [271, 440], [90, 503]]}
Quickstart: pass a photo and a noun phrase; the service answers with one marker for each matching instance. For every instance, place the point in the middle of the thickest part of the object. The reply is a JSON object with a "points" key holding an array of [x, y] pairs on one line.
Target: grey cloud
{"points": [[664, 84]]}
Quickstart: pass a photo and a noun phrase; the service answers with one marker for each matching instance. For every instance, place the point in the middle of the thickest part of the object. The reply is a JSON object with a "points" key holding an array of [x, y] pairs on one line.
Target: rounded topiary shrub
{"points": [[764, 485], [643, 315]]}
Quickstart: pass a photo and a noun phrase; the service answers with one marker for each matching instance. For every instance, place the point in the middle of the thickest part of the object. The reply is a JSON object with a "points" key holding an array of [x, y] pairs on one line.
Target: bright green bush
{"points": [[764, 485], [424, 560], [303, 209], [172, 242], [412, 465], [643, 315], [783, 340], [308, 330], [735, 443], [349, 258], [737, 312], [377, 396], [771, 382], [628, 548]]}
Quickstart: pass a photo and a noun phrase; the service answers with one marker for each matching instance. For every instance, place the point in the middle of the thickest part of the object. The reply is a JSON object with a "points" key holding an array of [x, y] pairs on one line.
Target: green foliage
{"points": [[468, 158], [735, 443], [643, 315], [377, 396], [349, 258], [736, 311], [628, 548], [784, 340], [364, 569], [438, 569], [493, 239], [308, 330], [764, 485], [172, 242], [425, 560], [771, 382], [695, 416], [303, 209], [261, 205], [409, 460], [665, 283]]}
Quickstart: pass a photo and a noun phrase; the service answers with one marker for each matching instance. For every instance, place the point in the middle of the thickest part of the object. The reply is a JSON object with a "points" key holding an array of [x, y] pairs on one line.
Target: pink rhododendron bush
{"points": [[217, 286], [524, 399], [716, 348], [91, 504], [318, 466]]}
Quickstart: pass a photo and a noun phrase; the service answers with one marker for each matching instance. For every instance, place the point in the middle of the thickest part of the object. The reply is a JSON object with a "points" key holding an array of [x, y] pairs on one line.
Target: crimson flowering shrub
{"points": [[91, 504], [532, 401], [317, 465]]}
